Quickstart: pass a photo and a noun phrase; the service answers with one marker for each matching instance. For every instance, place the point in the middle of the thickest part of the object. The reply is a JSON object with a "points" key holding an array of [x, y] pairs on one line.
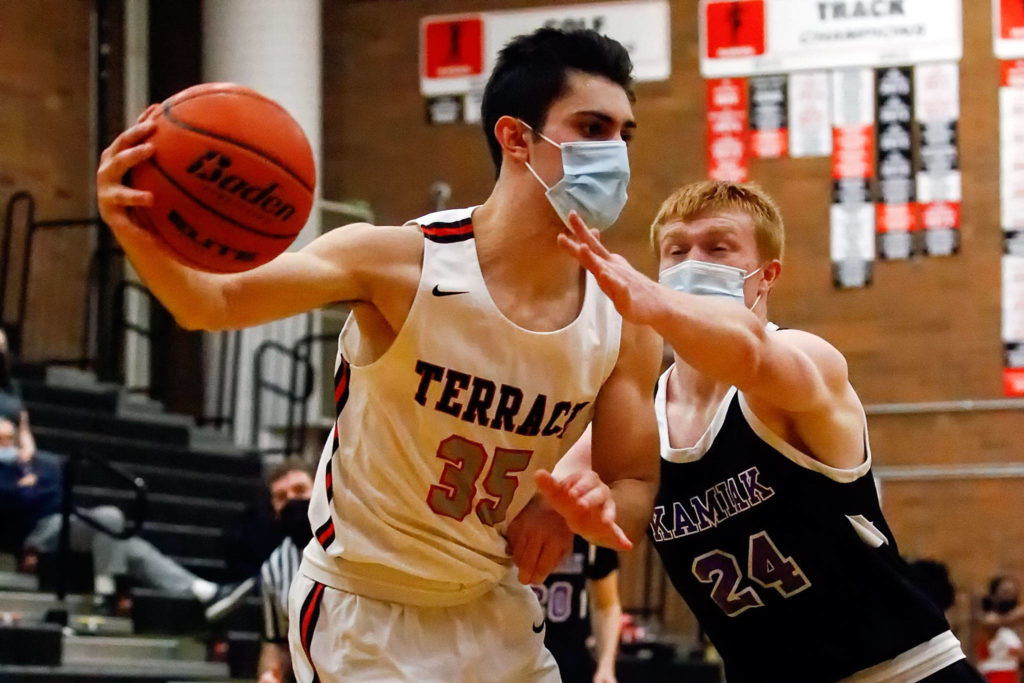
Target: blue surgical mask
{"points": [[707, 279], [595, 175], [8, 455]]}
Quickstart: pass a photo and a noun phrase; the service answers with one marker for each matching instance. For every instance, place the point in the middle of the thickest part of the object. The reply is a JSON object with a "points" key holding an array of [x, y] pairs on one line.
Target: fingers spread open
{"points": [[129, 138], [114, 168]]}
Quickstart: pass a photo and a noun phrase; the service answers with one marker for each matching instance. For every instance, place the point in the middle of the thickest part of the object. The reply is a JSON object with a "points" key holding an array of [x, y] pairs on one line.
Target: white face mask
{"points": [[595, 175], [8, 455], [704, 278]]}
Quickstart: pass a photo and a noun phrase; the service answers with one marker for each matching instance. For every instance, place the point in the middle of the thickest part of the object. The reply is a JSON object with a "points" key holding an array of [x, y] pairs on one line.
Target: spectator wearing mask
{"points": [[291, 485], [999, 649], [31, 494], [11, 406]]}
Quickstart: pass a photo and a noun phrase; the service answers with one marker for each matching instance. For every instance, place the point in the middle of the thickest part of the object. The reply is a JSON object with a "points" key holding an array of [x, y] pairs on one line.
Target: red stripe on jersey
{"points": [[342, 384], [458, 230], [309, 617], [327, 533]]}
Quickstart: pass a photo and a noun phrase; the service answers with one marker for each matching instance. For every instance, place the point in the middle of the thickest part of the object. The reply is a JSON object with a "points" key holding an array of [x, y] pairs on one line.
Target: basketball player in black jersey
{"points": [[767, 519]]}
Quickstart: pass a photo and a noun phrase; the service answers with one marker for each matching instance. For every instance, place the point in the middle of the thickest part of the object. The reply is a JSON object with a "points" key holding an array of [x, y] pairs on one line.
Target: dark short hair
{"points": [[531, 73], [292, 463]]}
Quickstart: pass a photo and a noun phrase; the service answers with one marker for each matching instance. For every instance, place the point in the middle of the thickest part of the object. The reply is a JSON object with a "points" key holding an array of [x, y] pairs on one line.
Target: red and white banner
{"points": [[727, 131], [769, 132], [1011, 195], [895, 212], [810, 120], [937, 111], [852, 214], [752, 37], [1013, 324], [1008, 29], [458, 52]]}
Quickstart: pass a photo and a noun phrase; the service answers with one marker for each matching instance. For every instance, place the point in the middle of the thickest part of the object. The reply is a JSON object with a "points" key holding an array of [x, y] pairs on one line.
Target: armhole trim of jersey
{"points": [[843, 476]]}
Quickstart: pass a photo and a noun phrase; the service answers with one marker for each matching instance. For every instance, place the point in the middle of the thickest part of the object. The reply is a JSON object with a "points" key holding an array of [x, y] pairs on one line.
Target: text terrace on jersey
{"points": [[507, 401]]}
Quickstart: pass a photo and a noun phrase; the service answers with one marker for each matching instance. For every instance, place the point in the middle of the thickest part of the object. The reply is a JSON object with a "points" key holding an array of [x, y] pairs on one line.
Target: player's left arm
{"points": [[624, 432], [793, 376]]}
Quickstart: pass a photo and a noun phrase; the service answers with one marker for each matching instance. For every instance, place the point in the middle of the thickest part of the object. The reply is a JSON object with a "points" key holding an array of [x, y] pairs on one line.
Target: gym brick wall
{"points": [[45, 149], [927, 330]]}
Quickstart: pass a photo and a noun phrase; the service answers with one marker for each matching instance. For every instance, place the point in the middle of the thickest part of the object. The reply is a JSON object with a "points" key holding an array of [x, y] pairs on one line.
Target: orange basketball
{"points": [[232, 177]]}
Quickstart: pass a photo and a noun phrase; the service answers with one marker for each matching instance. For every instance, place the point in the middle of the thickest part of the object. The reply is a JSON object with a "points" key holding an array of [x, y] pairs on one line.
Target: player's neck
{"points": [[516, 239]]}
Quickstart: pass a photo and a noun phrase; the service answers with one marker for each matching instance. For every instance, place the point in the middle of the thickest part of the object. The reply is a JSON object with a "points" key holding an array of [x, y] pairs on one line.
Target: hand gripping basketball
{"points": [[231, 173]]}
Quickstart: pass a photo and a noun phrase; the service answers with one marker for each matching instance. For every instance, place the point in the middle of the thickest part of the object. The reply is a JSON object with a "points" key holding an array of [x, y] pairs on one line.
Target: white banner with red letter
{"points": [[750, 37], [458, 51]]}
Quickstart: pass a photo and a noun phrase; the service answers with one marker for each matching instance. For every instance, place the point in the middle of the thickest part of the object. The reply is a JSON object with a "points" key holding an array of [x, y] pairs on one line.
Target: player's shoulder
{"points": [[817, 348], [376, 243]]}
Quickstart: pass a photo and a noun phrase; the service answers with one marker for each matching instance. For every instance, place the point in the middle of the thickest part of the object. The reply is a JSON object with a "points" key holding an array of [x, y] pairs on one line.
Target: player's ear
{"points": [[512, 134], [771, 273]]}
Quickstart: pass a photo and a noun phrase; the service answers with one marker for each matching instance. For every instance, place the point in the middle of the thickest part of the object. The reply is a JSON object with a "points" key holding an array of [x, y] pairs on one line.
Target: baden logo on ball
{"points": [[232, 177]]}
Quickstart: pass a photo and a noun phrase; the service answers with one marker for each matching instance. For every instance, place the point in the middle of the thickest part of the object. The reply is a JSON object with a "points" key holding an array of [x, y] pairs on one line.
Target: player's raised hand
{"points": [[128, 149], [637, 297], [538, 538], [587, 506]]}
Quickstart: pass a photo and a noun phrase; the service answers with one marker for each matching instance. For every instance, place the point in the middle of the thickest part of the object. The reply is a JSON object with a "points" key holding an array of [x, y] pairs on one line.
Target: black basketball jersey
{"points": [[563, 596], [787, 563]]}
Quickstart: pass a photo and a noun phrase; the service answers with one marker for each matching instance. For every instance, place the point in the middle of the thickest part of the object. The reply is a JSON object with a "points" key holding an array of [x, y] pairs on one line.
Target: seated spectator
{"points": [[31, 492], [999, 648], [291, 485], [11, 406]]}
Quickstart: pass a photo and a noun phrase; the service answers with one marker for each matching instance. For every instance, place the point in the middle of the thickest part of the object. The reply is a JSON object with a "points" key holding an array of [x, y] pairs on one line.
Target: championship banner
{"points": [[752, 37], [810, 118], [458, 51], [852, 214], [769, 134], [1011, 197], [1011, 145], [895, 212], [727, 133], [937, 111], [1013, 324]]}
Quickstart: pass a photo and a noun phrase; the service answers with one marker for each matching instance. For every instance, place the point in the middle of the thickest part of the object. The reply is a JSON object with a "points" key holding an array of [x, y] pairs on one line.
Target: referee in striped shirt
{"points": [[291, 485]]}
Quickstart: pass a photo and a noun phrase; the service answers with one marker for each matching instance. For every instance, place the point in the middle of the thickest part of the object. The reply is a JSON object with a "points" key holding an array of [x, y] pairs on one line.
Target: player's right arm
{"points": [[360, 262]]}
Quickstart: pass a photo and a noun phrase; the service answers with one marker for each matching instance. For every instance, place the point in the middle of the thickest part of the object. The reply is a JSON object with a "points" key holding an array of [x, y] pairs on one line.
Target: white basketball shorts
{"points": [[339, 636]]}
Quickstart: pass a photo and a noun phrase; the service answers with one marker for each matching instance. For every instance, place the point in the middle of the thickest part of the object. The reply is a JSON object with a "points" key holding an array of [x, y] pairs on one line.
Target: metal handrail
{"points": [[304, 345], [260, 384], [132, 527], [32, 226]]}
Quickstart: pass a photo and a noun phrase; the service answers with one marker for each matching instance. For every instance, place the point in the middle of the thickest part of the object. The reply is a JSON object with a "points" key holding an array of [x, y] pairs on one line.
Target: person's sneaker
{"points": [[227, 598], [113, 605]]}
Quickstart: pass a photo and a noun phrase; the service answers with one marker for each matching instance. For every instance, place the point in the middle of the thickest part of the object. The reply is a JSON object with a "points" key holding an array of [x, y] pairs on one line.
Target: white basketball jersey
{"points": [[436, 441]]}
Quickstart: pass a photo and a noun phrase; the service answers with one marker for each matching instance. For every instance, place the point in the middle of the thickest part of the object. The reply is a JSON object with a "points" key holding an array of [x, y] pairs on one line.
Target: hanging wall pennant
{"points": [[727, 134], [937, 110], [895, 212], [852, 215]]}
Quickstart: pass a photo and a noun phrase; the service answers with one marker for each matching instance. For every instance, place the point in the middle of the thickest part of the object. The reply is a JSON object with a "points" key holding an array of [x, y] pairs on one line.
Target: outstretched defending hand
{"points": [[586, 504], [538, 538], [637, 297]]}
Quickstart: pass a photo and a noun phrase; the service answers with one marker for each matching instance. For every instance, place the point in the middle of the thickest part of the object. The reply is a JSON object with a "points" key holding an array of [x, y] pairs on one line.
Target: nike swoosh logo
{"points": [[537, 628], [439, 292]]}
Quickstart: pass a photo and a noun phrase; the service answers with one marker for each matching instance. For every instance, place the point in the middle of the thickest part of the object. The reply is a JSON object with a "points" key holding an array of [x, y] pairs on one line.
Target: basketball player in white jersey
{"points": [[767, 519], [476, 354]]}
